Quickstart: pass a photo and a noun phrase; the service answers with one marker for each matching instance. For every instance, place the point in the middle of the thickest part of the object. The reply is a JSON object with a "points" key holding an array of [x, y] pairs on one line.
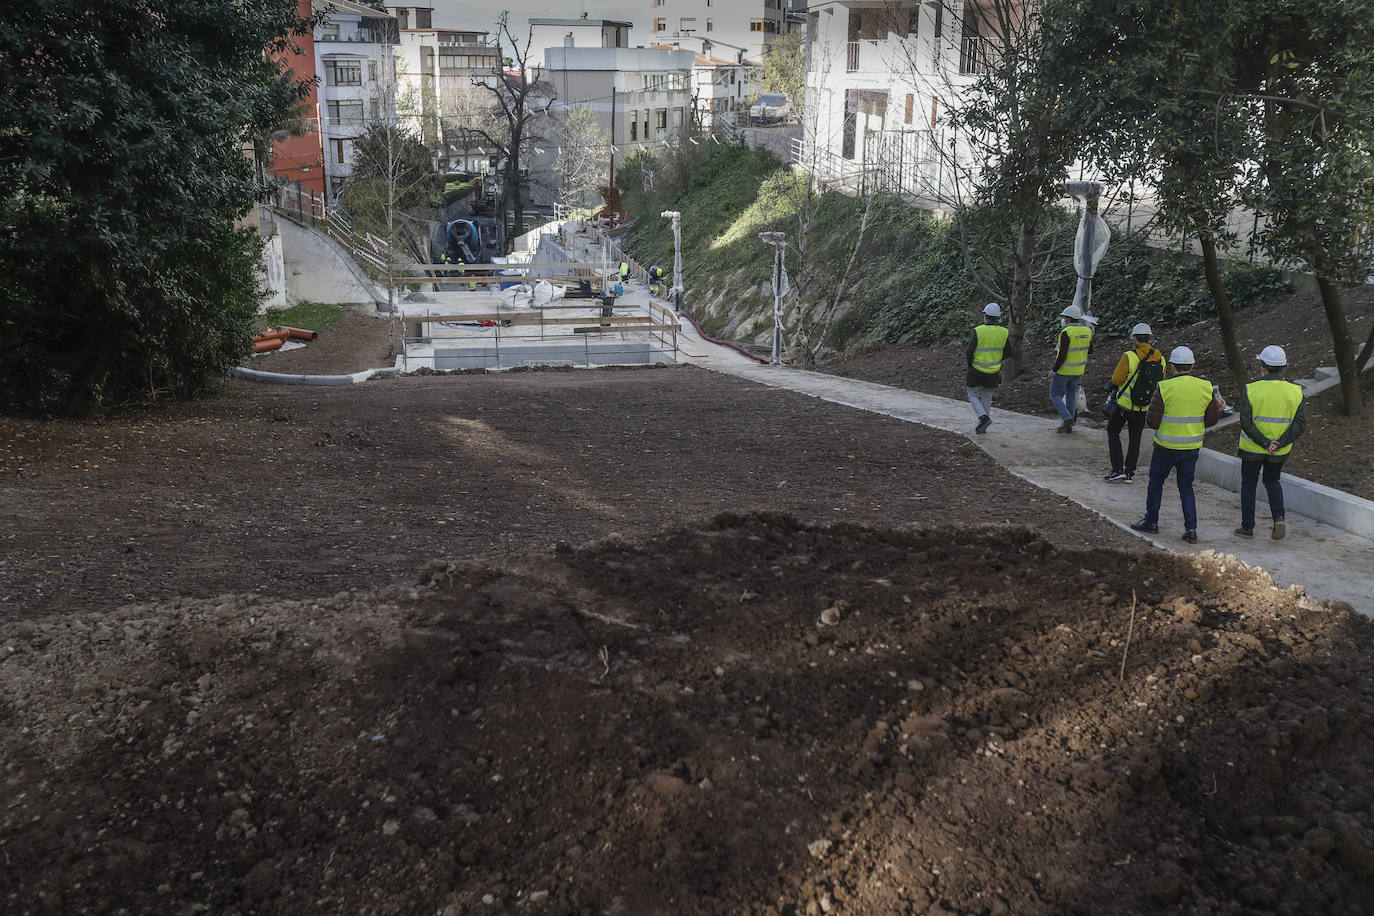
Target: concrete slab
{"points": [[1328, 561]]}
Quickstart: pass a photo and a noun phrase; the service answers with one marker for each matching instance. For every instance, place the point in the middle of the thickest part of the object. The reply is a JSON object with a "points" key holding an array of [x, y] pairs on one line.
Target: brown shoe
{"points": [[1279, 530]]}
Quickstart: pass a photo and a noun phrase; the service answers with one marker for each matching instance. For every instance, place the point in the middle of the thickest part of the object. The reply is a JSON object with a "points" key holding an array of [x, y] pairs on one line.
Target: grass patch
{"points": [[308, 316]]}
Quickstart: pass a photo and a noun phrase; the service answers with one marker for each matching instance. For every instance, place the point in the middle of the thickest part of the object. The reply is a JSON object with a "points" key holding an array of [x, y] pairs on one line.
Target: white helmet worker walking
{"points": [[1273, 356], [1070, 363], [984, 350], [992, 310], [1134, 380], [1272, 418]]}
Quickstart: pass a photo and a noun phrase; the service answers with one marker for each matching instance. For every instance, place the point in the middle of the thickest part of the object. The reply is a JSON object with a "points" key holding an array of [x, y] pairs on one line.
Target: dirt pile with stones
{"points": [[751, 715]]}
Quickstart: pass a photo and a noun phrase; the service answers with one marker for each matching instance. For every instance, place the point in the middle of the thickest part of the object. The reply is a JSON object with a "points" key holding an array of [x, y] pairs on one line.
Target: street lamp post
{"points": [[779, 242], [676, 291], [1086, 253]]}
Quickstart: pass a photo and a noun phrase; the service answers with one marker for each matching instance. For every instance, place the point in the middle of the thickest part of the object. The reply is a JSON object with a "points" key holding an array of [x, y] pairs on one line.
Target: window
{"points": [[402, 17], [913, 20], [710, 24], [934, 111], [423, 18], [343, 73], [374, 109], [660, 25], [634, 132], [662, 118], [330, 32], [426, 60], [659, 2], [686, 24], [343, 151], [372, 70], [345, 111], [910, 105], [756, 25]]}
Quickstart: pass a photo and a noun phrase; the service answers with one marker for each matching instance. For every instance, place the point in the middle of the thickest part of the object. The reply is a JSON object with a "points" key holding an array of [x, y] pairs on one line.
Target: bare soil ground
{"points": [[1337, 450], [488, 643]]}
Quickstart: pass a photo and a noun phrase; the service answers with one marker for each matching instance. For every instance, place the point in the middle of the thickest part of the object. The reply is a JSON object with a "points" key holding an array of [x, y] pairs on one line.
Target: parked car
{"points": [[771, 108]]}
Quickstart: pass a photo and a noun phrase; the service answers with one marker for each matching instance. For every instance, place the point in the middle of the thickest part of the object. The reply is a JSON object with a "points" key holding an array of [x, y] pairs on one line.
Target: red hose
{"points": [[724, 343]]}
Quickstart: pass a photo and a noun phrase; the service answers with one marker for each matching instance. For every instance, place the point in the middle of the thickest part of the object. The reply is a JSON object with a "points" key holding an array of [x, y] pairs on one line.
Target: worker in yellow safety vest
{"points": [[1180, 413], [1271, 420], [1070, 362], [984, 352], [624, 271], [1137, 374]]}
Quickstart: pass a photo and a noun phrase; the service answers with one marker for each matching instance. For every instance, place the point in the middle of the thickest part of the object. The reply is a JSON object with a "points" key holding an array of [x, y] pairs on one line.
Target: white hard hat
{"points": [[1142, 330], [1182, 356], [1073, 312], [1273, 356], [992, 310]]}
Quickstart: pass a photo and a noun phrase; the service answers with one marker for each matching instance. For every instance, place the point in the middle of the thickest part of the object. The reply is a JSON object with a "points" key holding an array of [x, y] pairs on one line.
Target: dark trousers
{"points": [[1184, 463], [1249, 479], [1134, 422]]}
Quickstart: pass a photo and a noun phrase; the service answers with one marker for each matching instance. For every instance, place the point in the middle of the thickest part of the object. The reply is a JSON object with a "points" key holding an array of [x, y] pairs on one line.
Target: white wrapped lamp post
{"points": [[1091, 241], [779, 242], [676, 291]]}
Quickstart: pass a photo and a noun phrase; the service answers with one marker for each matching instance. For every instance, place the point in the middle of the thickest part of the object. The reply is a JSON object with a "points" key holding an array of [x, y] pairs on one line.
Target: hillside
{"points": [[908, 281]]}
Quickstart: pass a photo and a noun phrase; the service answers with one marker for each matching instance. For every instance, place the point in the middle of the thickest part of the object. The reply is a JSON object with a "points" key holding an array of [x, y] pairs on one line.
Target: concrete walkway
{"points": [[1328, 562]]}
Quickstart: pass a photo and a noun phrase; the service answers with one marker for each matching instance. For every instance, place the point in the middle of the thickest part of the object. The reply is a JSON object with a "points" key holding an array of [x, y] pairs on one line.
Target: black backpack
{"points": [[1148, 375]]}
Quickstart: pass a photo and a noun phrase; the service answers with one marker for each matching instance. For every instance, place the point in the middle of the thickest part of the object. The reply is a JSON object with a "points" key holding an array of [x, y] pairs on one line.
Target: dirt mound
{"points": [[749, 716]]}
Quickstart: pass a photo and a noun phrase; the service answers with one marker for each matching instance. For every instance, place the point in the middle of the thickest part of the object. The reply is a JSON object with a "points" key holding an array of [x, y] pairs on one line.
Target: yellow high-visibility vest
{"points": [[1273, 405], [992, 341], [1186, 399], [1076, 362], [1123, 400]]}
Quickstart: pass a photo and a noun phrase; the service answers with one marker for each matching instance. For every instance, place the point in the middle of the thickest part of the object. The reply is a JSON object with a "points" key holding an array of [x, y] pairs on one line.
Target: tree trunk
{"points": [[1226, 316], [1019, 309], [1351, 403], [1366, 351]]}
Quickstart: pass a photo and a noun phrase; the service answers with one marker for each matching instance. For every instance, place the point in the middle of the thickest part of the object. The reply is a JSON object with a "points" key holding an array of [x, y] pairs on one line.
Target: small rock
{"points": [[488, 899], [390, 827], [818, 848], [720, 672], [164, 889], [830, 616], [538, 896], [203, 682]]}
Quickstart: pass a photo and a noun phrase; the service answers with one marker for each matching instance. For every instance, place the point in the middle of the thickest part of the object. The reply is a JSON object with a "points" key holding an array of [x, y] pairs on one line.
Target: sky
{"points": [[475, 14]]}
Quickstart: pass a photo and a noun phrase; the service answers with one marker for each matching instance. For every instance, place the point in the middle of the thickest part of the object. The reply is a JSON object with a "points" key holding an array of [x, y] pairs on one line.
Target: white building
{"points": [[353, 57], [747, 23], [720, 87], [584, 32], [441, 72], [646, 91], [878, 75]]}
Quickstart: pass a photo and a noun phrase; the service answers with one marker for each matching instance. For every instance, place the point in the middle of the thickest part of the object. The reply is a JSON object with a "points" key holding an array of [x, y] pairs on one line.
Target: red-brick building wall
{"points": [[302, 158]]}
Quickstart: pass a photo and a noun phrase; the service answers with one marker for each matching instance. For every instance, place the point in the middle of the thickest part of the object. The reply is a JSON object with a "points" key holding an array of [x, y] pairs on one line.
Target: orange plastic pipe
{"points": [[262, 346], [271, 334], [300, 334]]}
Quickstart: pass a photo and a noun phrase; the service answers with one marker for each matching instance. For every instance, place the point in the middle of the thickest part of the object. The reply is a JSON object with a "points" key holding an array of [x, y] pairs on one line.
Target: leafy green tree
{"points": [[784, 67], [1313, 89], [122, 173]]}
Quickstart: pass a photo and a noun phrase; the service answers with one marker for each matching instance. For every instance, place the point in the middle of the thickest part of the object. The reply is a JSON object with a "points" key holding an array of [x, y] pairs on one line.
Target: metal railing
{"points": [[851, 57], [977, 55]]}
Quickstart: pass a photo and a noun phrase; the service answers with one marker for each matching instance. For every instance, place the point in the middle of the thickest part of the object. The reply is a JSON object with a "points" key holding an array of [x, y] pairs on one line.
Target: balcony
{"points": [[977, 55]]}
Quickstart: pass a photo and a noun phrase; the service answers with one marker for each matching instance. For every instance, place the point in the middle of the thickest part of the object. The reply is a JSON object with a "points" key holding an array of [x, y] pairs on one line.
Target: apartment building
{"points": [[584, 32], [750, 24], [878, 76], [348, 61], [442, 72], [354, 49]]}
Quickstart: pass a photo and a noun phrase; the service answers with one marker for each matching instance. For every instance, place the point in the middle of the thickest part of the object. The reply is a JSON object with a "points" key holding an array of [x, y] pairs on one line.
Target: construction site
{"points": [[486, 626]]}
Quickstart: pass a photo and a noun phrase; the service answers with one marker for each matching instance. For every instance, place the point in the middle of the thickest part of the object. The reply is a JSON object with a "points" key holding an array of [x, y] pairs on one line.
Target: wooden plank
{"points": [[536, 265], [484, 279], [527, 319], [616, 329]]}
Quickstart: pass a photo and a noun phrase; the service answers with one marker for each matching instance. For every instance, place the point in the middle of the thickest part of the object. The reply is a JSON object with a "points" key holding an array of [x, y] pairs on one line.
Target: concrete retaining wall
{"points": [[318, 269]]}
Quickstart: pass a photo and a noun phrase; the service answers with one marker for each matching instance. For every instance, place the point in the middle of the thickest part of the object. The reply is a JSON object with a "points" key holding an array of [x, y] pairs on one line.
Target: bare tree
{"points": [[579, 164], [521, 98]]}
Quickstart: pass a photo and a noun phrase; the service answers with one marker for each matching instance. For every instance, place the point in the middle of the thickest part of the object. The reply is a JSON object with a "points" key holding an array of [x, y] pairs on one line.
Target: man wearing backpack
{"points": [[984, 354], [1182, 410], [1137, 374], [1070, 362], [1271, 420]]}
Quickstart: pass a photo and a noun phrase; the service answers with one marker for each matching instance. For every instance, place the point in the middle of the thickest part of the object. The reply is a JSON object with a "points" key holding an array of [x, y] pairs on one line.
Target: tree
{"points": [[520, 99], [582, 160], [784, 68], [1008, 138], [1312, 89], [1157, 78], [122, 275]]}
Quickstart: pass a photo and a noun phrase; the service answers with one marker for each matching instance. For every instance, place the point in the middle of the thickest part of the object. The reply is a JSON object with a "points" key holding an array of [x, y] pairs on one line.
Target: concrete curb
{"points": [[1301, 496], [283, 378]]}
